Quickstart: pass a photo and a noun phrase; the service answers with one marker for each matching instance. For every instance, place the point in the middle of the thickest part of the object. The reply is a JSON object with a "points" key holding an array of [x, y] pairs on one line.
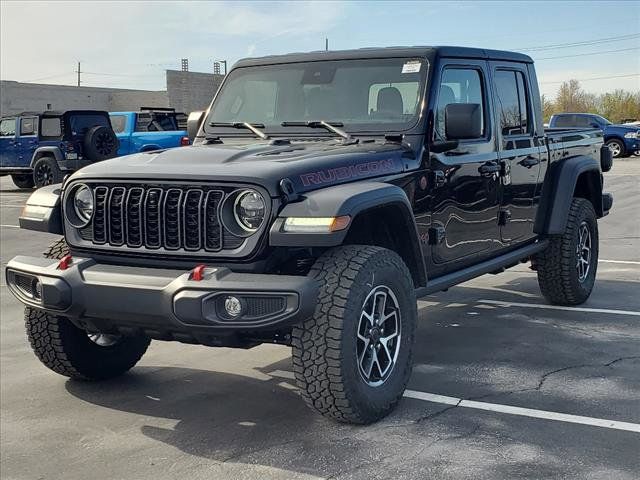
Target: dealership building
{"points": [[186, 91]]}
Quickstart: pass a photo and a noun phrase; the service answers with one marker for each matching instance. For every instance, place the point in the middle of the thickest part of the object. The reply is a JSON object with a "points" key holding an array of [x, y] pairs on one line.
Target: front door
{"points": [[465, 182], [519, 151], [8, 147]]}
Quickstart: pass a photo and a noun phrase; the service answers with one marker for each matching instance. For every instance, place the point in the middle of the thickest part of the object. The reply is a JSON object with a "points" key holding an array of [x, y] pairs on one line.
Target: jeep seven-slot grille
{"points": [[172, 218]]}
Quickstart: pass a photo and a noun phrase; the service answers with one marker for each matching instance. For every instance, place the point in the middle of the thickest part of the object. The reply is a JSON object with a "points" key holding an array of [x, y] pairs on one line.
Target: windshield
{"points": [[363, 95]]}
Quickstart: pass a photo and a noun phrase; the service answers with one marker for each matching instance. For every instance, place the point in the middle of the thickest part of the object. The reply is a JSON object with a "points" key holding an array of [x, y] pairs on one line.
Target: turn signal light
{"points": [[185, 142]]}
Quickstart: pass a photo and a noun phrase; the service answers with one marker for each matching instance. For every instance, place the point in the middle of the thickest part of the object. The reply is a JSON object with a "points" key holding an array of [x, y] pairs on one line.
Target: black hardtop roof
{"points": [[387, 52], [56, 113]]}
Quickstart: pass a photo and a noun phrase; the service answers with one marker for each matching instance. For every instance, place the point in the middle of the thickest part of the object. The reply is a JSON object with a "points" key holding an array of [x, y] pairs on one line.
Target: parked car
{"points": [[149, 129], [623, 140], [40, 148], [313, 210]]}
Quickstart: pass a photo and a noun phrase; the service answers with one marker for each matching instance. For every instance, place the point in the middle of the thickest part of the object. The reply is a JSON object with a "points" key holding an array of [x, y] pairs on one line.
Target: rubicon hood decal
{"points": [[359, 170]]}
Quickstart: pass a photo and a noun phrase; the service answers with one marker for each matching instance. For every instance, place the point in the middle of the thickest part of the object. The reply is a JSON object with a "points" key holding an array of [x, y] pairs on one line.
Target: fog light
{"points": [[233, 306]]}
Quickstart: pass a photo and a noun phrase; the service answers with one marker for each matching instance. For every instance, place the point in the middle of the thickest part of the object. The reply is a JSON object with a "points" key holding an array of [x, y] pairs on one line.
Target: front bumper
{"points": [[164, 304]]}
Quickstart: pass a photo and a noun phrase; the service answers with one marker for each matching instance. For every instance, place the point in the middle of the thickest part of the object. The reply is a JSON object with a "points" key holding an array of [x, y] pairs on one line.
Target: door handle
{"points": [[489, 168], [529, 162]]}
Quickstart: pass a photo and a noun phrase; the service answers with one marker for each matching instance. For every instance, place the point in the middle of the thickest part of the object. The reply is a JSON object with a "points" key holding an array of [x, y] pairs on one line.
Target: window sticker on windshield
{"points": [[411, 67]]}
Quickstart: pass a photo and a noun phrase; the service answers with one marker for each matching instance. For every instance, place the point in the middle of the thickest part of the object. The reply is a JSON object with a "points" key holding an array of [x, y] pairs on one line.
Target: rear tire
{"points": [[567, 267], [334, 351], [23, 181], [46, 172], [71, 351]]}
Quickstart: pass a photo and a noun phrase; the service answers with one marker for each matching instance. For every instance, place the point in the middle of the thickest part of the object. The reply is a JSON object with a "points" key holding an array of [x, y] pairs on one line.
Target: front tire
{"points": [[616, 147], [23, 180], [73, 352], [567, 267], [352, 360]]}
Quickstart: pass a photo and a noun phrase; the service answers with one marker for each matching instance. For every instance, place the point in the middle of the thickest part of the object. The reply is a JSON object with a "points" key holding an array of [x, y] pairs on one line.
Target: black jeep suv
{"points": [[40, 148], [324, 193]]}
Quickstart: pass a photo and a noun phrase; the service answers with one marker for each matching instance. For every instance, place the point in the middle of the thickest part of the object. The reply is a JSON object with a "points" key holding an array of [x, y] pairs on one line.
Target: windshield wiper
{"points": [[254, 127], [331, 126]]}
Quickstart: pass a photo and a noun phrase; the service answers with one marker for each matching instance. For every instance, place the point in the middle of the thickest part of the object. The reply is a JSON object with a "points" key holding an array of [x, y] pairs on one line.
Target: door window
{"points": [[512, 98], [28, 126], [8, 127], [459, 85]]}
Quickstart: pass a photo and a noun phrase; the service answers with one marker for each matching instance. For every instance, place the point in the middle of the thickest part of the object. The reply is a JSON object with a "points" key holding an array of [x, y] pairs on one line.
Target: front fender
{"points": [[43, 211], [348, 199], [559, 189]]}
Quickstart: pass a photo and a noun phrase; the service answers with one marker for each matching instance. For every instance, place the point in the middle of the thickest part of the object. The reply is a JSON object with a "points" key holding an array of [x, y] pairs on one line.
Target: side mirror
{"points": [[463, 121], [193, 124]]}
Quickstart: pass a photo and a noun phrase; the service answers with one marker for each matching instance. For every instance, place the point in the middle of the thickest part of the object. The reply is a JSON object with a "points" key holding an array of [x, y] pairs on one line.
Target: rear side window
{"points": [[28, 126], [8, 127], [50, 127], [118, 123], [512, 102], [459, 85], [81, 124], [564, 121]]}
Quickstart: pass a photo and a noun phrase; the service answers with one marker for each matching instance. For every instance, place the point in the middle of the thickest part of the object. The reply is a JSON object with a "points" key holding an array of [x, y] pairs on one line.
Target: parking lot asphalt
{"points": [[503, 387]]}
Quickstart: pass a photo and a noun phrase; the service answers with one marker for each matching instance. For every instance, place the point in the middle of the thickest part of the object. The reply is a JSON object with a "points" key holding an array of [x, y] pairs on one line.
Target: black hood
{"points": [[308, 164]]}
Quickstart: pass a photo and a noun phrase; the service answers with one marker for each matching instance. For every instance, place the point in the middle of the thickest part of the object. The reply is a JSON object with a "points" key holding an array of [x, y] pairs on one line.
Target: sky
{"points": [[130, 44]]}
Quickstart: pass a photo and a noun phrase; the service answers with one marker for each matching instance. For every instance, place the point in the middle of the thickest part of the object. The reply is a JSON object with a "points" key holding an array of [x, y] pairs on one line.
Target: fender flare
{"points": [[558, 191], [150, 147], [43, 211], [348, 199], [46, 152]]}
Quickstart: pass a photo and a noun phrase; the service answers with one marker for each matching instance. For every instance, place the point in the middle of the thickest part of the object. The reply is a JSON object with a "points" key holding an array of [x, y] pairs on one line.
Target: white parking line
{"points": [[10, 226], [509, 409], [524, 412], [501, 303], [624, 262]]}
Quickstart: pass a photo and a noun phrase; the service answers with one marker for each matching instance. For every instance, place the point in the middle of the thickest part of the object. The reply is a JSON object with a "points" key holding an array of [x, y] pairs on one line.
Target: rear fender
{"points": [[578, 176], [46, 152]]}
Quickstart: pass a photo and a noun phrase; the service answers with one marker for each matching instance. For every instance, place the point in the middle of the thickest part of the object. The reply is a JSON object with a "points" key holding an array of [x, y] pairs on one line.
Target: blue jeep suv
{"points": [[623, 140], [41, 148]]}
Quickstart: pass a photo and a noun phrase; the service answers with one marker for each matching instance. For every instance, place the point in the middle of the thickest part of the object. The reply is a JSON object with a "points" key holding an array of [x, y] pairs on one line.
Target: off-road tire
{"points": [[558, 277], [23, 180], [68, 350], [46, 172], [324, 346]]}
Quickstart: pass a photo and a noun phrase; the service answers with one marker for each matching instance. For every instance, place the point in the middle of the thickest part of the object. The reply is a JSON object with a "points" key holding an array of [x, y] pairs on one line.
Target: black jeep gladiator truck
{"points": [[324, 193]]}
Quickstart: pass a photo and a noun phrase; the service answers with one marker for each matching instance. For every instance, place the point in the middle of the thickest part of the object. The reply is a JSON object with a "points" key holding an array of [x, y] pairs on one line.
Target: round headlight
{"points": [[249, 210], [83, 203]]}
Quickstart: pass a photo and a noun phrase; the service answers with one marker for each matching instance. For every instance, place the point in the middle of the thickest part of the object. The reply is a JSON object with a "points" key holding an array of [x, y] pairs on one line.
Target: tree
{"points": [[616, 106]]}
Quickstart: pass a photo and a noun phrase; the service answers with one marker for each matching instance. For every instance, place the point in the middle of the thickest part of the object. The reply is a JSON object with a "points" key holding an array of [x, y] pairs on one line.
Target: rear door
{"points": [[27, 141], [8, 143], [519, 150], [466, 184]]}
